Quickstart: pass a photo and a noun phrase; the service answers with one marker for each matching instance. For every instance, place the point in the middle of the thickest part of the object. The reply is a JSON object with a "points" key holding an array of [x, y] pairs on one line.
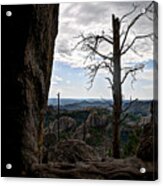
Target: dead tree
{"points": [[111, 61], [116, 88]]}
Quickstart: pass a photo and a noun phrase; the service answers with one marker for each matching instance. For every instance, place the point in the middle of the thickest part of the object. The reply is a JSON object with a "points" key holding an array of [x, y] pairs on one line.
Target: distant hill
{"points": [[140, 107], [84, 104], [63, 101]]}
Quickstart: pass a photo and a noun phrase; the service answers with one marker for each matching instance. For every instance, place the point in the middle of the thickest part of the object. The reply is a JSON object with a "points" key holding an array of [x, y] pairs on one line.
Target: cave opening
{"points": [[69, 79], [71, 119]]}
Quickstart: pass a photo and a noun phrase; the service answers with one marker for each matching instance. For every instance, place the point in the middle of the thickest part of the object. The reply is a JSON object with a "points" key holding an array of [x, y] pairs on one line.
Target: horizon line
{"points": [[148, 99]]}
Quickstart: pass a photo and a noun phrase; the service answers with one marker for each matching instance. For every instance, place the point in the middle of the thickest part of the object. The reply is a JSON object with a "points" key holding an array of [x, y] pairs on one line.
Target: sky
{"points": [[70, 78]]}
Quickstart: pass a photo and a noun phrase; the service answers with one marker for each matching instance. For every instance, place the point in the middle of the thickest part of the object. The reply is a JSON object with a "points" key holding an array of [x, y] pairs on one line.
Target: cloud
{"points": [[147, 75], [76, 18], [94, 17], [57, 78], [54, 83], [68, 81]]}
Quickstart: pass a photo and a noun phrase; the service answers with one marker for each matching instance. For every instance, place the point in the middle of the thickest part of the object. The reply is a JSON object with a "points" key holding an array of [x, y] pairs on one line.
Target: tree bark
{"points": [[117, 94]]}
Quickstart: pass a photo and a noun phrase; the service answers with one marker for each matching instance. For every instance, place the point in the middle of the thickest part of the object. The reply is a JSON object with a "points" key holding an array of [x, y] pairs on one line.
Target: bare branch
{"points": [[93, 39], [81, 41], [90, 44], [87, 57], [107, 65], [124, 117], [92, 74], [136, 52], [129, 13], [127, 108], [131, 71], [93, 69], [133, 22], [106, 39], [98, 53], [134, 40], [109, 80], [150, 18], [109, 37], [129, 105]]}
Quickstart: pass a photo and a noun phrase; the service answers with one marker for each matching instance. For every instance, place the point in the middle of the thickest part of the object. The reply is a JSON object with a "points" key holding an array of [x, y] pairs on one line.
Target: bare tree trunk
{"points": [[117, 95]]}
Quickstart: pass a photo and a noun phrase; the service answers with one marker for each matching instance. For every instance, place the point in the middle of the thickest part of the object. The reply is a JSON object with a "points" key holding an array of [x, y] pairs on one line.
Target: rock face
{"points": [[28, 38], [66, 124], [123, 169], [72, 151], [94, 120], [50, 139]]}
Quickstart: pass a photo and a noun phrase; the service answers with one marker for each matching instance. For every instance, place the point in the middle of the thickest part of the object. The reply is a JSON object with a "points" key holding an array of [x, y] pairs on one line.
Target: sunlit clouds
{"points": [[68, 74]]}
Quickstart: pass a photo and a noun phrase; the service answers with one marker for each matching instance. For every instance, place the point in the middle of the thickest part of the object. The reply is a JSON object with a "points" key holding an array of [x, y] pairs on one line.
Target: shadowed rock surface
{"points": [[73, 151], [28, 38], [124, 169], [93, 121], [66, 124]]}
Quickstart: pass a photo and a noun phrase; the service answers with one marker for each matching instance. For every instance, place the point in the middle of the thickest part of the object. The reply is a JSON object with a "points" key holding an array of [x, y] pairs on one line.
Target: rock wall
{"points": [[28, 38]]}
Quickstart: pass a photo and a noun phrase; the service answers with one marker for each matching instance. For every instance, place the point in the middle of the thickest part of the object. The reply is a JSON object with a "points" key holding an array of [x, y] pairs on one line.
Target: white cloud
{"points": [[57, 78], [76, 18], [146, 75], [68, 81], [54, 83], [94, 17]]}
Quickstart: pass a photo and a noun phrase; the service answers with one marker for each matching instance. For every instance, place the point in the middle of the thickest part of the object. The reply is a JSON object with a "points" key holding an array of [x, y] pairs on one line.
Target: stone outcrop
{"points": [[72, 151], [94, 120], [66, 124], [81, 132], [50, 139], [124, 169], [28, 38]]}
